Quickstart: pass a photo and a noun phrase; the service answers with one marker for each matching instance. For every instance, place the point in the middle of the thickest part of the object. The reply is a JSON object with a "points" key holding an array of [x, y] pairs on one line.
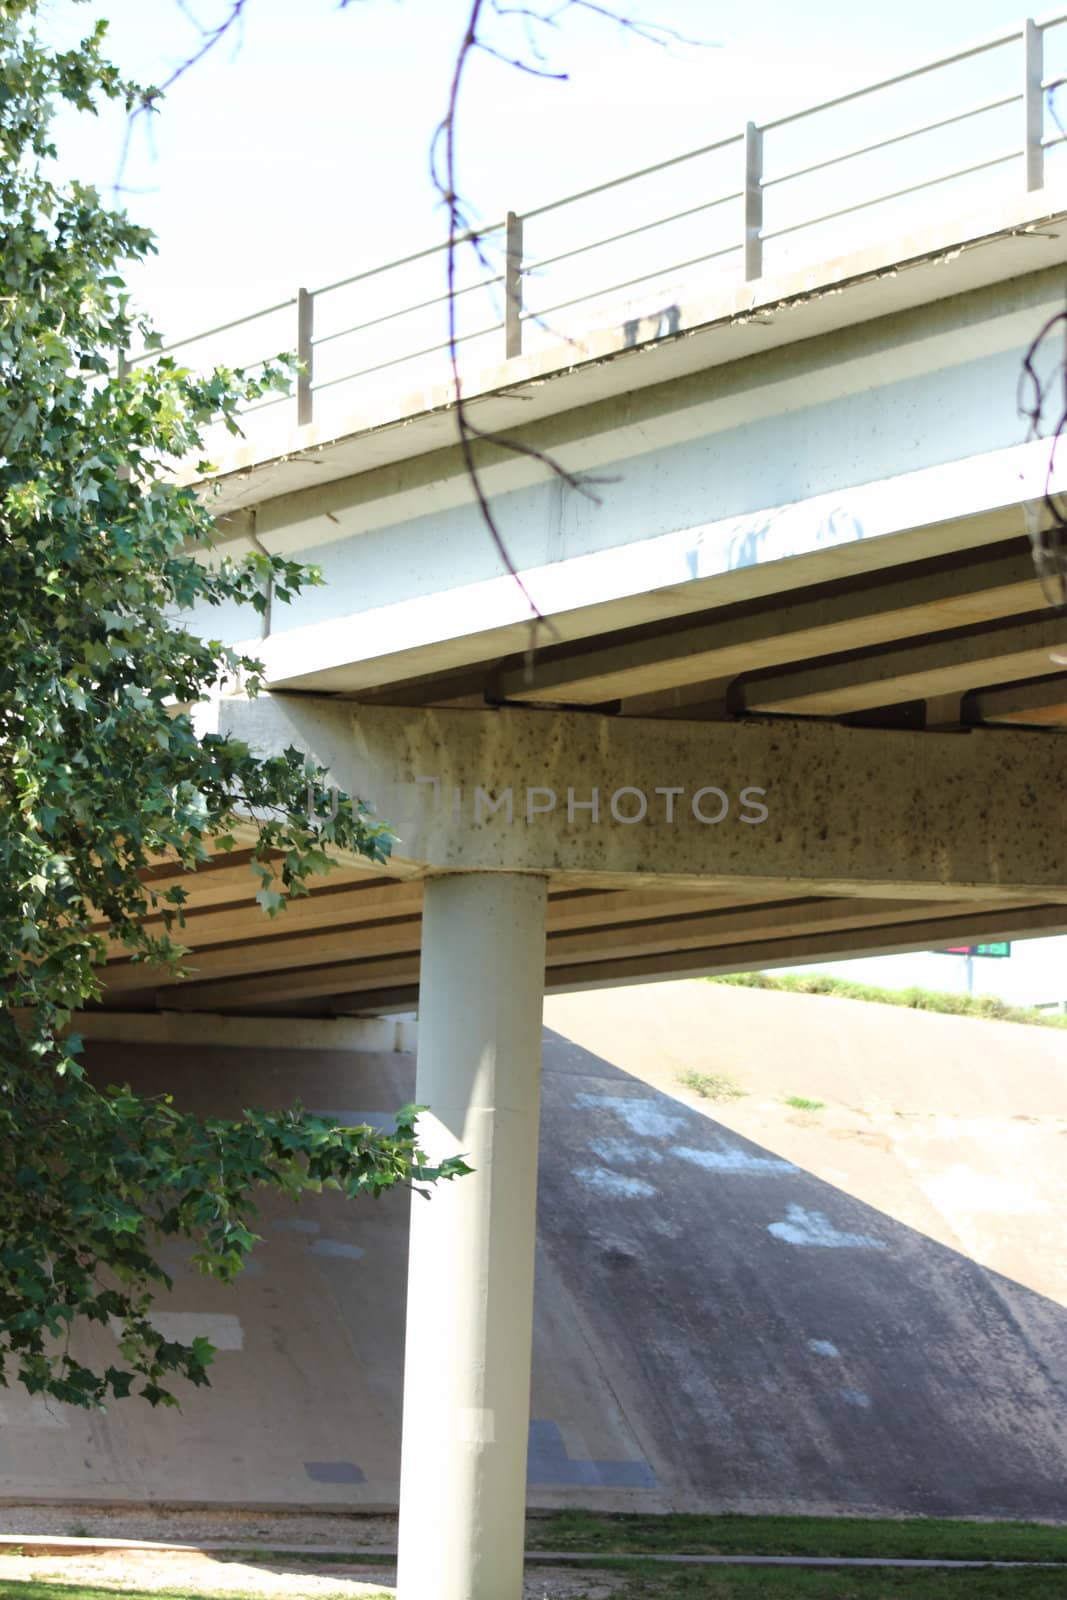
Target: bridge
{"points": [[799, 687]]}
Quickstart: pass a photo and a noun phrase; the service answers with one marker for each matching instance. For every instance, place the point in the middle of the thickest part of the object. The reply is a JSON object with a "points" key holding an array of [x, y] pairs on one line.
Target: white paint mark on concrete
{"points": [[182, 1327], [731, 1158], [616, 1183], [477, 1425], [962, 1188], [30, 1411], [624, 1151], [823, 1347], [336, 1247], [856, 1397], [814, 1228], [641, 1114]]}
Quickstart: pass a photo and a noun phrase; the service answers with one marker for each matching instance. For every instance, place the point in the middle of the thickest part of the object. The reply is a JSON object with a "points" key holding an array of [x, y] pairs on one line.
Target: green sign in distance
{"points": [[1003, 948]]}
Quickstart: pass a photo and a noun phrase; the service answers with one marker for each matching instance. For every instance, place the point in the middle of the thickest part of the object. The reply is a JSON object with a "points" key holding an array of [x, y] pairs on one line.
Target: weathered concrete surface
{"points": [[835, 810], [740, 1305]]}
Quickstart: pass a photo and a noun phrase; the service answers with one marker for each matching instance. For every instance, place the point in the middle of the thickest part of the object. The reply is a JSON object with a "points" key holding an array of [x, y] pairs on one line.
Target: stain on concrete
{"points": [[643, 1114], [548, 1464], [336, 1247], [823, 1347], [624, 1151], [182, 1327], [856, 1397], [334, 1472], [617, 1183], [731, 1158], [20, 1410], [813, 1229]]}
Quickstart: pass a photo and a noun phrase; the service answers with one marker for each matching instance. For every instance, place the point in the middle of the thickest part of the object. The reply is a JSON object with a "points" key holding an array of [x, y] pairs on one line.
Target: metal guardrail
{"points": [[1022, 86]]}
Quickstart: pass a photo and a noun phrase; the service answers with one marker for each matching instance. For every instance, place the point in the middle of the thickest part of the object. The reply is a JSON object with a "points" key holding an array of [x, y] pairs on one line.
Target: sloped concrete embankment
{"points": [[745, 1304]]}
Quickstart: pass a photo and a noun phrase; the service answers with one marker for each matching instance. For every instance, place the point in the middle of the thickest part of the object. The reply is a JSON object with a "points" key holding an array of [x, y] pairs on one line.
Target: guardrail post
{"points": [[753, 201], [513, 287], [1034, 104], [305, 354]]}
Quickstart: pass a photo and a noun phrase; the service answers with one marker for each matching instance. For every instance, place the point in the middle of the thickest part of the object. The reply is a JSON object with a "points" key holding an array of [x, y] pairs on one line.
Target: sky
{"points": [[297, 151]]}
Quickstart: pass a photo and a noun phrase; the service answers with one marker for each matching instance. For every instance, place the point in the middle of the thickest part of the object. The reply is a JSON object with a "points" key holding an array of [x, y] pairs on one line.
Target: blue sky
{"points": [[297, 153]]}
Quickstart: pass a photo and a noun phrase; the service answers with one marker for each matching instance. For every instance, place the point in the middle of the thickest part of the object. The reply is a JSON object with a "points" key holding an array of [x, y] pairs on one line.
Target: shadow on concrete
{"points": [[716, 1329], [777, 1343]]}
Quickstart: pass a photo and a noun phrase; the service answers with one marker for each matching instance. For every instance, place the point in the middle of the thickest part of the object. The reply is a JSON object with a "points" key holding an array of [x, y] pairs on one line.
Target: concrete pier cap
{"points": [[808, 805]]}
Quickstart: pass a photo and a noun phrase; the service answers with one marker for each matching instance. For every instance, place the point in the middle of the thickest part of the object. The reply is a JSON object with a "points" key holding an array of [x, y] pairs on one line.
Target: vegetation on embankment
{"points": [[989, 1006], [921, 1538]]}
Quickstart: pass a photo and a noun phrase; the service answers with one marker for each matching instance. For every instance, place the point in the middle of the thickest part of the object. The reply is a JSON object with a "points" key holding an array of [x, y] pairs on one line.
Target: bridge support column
{"points": [[471, 1264]]}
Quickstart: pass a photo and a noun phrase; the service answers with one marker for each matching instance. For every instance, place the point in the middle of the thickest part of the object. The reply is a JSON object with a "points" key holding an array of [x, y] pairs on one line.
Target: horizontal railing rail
{"points": [[392, 316]]}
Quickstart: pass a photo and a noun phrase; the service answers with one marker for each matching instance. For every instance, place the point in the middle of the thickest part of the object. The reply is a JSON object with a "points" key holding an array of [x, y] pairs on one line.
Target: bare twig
{"points": [[1048, 535], [209, 38]]}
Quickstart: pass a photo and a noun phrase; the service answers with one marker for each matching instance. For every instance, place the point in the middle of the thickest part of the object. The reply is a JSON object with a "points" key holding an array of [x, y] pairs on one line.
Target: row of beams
{"points": [[244, 922], [390, 957], [213, 886], [266, 945], [952, 665], [398, 990], [772, 635], [991, 923]]}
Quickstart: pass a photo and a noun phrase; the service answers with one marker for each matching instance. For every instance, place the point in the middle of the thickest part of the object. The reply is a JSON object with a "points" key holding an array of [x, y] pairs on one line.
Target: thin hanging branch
{"points": [[1042, 403], [461, 230]]}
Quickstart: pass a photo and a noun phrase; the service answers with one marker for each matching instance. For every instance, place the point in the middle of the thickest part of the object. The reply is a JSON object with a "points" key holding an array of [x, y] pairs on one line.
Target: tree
{"points": [[103, 775]]}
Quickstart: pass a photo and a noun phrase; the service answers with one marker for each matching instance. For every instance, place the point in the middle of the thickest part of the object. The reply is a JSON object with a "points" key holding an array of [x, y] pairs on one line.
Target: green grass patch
{"points": [[988, 1006], [651, 1581], [680, 1534], [799, 1103], [712, 1085]]}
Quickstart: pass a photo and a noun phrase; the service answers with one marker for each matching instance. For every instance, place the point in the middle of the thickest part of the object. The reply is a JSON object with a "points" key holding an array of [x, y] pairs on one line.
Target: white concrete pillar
{"points": [[471, 1262]]}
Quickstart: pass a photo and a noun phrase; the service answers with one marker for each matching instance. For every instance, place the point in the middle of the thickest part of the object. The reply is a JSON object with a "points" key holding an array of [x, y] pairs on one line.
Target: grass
{"points": [[988, 1006], [798, 1102], [648, 1581], [712, 1085], [680, 1534], [617, 1543]]}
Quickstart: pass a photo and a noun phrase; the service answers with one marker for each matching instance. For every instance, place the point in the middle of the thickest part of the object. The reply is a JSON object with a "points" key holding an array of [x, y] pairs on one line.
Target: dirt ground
{"points": [[251, 1529], [199, 1572]]}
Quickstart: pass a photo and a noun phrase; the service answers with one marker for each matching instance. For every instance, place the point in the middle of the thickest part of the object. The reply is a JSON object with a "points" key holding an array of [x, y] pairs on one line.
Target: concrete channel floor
{"points": [[857, 1306]]}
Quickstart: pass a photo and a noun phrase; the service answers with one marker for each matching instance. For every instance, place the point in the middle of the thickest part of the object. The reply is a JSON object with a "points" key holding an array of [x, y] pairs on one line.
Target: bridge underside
{"points": [[900, 729]]}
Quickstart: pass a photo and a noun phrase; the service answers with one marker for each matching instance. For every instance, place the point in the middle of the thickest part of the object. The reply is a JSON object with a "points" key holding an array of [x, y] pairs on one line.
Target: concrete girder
{"points": [[877, 611], [850, 811], [997, 922], [955, 664], [671, 943], [1042, 704]]}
